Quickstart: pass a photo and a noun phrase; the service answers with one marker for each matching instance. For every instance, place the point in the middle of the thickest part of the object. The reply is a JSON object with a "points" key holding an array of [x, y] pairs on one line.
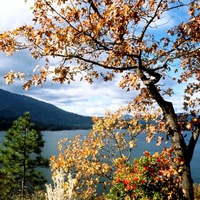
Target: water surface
{"points": [[52, 137]]}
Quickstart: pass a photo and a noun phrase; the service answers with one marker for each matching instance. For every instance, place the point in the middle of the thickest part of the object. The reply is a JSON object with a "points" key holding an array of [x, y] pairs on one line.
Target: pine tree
{"points": [[20, 155]]}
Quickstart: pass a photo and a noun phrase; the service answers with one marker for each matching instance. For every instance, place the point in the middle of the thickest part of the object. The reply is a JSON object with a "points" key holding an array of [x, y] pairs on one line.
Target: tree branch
{"points": [[94, 8], [149, 22], [180, 5], [104, 66], [192, 142]]}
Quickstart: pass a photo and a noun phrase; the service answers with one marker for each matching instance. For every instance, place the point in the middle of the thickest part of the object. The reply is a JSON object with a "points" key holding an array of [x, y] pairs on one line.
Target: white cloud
{"points": [[78, 97], [14, 13], [83, 98]]}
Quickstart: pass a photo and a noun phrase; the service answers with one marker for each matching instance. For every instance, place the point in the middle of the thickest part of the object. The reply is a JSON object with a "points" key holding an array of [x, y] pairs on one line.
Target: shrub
{"points": [[61, 190], [196, 191], [154, 177]]}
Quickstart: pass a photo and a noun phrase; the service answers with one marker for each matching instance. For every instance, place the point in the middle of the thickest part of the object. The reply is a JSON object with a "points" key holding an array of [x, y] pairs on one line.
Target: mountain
{"points": [[44, 115]]}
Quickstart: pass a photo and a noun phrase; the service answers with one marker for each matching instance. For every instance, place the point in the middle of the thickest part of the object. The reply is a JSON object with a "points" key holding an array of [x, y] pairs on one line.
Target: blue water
{"points": [[52, 137]]}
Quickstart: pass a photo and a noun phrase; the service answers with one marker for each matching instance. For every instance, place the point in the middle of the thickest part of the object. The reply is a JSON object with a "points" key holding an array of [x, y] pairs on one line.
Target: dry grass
{"points": [[36, 196]]}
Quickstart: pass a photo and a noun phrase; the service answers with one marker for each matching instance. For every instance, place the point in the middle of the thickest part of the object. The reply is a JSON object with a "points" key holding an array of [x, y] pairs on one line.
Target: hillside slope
{"points": [[44, 115]]}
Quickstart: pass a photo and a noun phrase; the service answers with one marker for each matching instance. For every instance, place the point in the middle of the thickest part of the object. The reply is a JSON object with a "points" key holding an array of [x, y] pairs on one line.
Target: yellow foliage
{"points": [[118, 36]]}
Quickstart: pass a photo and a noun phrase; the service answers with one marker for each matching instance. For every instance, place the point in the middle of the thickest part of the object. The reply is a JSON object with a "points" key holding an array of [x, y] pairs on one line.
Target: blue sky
{"points": [[78, 97]]}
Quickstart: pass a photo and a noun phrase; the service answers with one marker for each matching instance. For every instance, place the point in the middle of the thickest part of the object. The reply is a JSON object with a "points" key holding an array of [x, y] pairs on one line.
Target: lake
{"points": [[52, 137]]}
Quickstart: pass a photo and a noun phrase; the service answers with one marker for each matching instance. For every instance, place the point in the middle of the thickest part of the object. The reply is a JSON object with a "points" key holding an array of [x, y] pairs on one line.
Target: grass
{"points": [[40, 195]]}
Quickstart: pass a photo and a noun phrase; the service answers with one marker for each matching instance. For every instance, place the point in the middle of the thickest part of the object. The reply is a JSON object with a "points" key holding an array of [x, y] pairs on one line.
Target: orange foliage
{"points": [[119, 36]]}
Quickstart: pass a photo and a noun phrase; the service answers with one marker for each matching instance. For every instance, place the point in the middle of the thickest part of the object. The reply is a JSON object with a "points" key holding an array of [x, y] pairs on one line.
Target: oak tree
{"points": [[132, 38], [20, 156]]}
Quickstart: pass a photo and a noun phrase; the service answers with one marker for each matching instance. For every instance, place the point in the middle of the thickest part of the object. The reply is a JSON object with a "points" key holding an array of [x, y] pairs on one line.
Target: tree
{"points": [[122, 37], [20, 155]]}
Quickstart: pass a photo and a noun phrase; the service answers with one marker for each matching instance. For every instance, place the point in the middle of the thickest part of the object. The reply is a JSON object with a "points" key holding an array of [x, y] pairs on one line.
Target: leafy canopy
{"points": [[135, 39], [120, 36]]}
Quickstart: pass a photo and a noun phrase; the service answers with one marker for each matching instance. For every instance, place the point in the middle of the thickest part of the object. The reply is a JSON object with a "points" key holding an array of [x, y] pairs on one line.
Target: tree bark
{"points": [[24, 177], [24, 167], [181, 149]]}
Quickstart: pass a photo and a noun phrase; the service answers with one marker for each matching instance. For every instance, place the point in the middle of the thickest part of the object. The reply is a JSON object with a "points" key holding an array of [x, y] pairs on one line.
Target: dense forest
{"points": [[46, 116]]}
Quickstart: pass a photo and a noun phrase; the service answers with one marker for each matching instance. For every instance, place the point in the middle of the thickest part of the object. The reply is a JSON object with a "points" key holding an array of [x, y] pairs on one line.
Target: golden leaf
{"points": [[132, 144], [159, 141]]}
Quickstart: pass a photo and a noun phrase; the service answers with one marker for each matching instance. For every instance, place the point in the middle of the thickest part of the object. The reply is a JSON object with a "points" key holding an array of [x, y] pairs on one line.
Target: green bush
{"points": [[149, 177]]}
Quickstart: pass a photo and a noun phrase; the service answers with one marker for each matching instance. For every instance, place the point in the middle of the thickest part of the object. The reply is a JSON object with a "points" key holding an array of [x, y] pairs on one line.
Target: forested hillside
{"points": [[44, 115]]}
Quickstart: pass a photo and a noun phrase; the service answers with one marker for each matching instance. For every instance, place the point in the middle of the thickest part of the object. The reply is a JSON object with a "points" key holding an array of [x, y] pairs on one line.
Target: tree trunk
{"points": [[181, 150], [181, 153], [24, 177], [24, 167]]}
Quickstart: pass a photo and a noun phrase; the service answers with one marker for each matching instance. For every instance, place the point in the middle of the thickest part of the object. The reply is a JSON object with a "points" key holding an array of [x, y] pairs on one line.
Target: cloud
{"points": [[78, 97], [14, 14], [83, 98]]}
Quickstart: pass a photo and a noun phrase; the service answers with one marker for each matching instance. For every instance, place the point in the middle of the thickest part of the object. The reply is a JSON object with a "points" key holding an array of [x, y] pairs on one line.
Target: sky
{"points": [[79, 97]]}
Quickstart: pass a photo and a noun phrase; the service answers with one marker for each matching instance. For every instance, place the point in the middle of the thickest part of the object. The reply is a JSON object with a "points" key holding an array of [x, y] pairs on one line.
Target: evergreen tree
{"points": [[20, 155]]}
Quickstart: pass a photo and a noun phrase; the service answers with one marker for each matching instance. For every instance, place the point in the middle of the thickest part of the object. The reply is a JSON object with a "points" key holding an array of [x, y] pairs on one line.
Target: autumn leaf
{"points": [[132, 144], [130, 41], [159, 141]]}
